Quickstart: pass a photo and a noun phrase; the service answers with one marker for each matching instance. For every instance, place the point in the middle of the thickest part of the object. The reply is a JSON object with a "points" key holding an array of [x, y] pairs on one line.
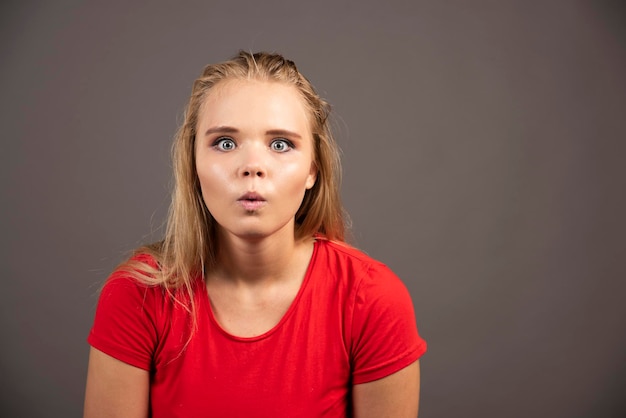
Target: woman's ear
{"points": [[312, 177]]}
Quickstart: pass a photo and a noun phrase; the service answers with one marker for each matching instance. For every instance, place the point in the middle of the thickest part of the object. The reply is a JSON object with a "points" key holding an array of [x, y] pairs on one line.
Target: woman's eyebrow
{"points": [[231, 130], [283, 132], [221, 130]]}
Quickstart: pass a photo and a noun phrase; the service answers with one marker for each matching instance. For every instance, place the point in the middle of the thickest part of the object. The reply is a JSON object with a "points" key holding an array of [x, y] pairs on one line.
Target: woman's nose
{"points": [[253, 171], [252, 164]]}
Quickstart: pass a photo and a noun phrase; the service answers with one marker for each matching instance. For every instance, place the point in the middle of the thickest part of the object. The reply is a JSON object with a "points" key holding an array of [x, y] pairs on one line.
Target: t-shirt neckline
{"points": [[292, 307]]}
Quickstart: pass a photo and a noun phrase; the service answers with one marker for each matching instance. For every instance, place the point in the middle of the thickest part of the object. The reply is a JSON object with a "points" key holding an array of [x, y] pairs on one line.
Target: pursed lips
{"points": [[251, 201]]}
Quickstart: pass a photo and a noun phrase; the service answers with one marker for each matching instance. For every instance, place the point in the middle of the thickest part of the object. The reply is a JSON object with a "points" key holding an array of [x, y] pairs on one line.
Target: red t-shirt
{"points": [[351, 322]]}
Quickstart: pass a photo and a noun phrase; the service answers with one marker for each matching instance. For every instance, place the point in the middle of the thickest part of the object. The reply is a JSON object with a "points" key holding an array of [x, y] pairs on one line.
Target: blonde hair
{"points": [[189, 247]]}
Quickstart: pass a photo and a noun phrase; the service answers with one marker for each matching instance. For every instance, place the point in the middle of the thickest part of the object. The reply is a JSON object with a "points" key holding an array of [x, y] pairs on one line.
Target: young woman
{"points": [[253, 306]]}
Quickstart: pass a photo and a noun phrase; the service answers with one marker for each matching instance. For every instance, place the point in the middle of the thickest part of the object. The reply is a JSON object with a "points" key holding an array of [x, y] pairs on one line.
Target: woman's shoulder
{"points": [[139, 270], [343, 257], [141, 277], [343, 251], [130, 285]]}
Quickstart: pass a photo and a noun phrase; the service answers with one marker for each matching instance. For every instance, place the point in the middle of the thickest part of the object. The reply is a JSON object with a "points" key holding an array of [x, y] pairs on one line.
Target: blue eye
{"points": [[281, 145], [224, 144]]}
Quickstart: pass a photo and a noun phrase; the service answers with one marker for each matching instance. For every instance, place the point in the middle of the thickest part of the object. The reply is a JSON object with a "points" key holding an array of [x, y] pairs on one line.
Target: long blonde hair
{"points": [[189, 247]]}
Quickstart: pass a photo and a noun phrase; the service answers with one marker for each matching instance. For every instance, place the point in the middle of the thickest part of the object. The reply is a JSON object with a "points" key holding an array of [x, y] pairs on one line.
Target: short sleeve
{"points": [[125, 322], [384, 331]]}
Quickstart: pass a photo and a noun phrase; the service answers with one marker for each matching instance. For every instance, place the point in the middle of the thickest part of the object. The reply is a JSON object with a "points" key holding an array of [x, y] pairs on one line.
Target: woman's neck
{"points": [[254, 261]]}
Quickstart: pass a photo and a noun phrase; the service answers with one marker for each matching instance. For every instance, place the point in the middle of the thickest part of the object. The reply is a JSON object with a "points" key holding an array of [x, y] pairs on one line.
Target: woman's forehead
{"points": [[254, 102]]}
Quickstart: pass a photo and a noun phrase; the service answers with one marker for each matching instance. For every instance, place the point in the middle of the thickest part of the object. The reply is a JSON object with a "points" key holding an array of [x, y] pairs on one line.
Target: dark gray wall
{"points": [[483, 153]]}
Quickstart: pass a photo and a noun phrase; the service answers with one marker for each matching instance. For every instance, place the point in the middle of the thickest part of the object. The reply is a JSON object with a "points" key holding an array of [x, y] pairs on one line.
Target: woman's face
{"points": [[254, 156]]}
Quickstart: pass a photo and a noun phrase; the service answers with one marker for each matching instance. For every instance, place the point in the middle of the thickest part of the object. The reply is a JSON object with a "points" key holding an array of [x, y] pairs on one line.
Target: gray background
{"points": [[483, 155]]}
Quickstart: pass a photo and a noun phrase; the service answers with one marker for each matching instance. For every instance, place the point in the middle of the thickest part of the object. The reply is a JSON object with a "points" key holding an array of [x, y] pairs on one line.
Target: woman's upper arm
{"points": [[115, 389], [396, 395]]}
